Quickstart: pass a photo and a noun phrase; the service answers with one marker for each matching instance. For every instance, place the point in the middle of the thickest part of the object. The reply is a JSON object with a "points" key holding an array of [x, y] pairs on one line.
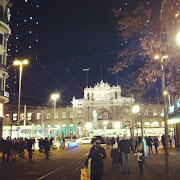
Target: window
{"points": [[146, 112], [105, 115], [29, 116], [154, 112], [79, 114], [14, 117], [38, 116], [71, 115], [48, 116], [63, 114], [1, 39], [21, 117], [56, 115]]}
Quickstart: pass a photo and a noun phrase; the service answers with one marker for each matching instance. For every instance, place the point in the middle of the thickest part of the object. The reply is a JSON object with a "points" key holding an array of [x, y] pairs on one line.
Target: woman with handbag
{"points": [[156, 144], [95, 159]]}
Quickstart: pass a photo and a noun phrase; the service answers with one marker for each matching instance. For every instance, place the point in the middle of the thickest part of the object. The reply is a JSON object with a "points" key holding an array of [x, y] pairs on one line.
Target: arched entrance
{"points": [[64, 130]]}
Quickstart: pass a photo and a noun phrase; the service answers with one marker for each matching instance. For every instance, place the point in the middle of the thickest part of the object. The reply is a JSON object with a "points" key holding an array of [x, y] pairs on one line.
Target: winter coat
{"points": [[96, 160], [156, 142], [47, 145], [149, 141], [6, 146], [125, 146], [114, 153]]}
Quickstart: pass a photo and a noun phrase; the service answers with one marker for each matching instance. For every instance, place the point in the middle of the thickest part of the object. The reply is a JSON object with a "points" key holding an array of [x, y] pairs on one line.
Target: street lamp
{"points": [[54, 97], [164, 92], [20, 63]]}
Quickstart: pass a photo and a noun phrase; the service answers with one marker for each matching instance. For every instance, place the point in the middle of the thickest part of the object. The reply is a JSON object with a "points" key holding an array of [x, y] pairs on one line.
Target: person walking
{"points": [[113, 141], [6, 149], [107, 142], [150, 143], [95, 159], [156, 143], [125, 148], [140, 159], [47, 148], [29, 148], [163, 141], [115, 155]]}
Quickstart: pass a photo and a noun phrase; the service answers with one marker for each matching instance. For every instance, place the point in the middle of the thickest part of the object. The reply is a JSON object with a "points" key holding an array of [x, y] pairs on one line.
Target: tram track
{"points": [[71, 166]]}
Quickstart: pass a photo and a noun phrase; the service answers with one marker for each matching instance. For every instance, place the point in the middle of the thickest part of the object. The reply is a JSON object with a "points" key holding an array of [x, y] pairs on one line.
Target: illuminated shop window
{"points": [[14, 117], [29, 116], [38, 116]]}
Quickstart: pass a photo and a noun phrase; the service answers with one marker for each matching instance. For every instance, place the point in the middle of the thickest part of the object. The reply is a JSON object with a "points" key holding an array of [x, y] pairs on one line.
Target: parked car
{"points": [[98, 138], [85, 140]]}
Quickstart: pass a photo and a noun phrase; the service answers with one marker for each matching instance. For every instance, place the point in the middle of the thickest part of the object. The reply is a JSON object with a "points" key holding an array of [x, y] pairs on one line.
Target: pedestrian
{"points": [[113, 141], [29, 148], [126, 147], [170, 141], [6, 149], [47, 148], [150, 143], [95, 160], [40, 145], [156, 143], [107, 142], [140, 158], [115, 155], [62, 142], [163, 141]]}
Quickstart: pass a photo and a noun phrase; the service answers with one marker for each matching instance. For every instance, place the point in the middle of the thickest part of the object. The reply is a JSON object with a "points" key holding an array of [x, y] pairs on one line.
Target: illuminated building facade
{"points": [[4, 35], [102, 111]]}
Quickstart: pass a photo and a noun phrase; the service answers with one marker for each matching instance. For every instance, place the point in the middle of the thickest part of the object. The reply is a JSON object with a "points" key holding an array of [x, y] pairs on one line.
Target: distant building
{"points": [[102, 111], [4, 35]]}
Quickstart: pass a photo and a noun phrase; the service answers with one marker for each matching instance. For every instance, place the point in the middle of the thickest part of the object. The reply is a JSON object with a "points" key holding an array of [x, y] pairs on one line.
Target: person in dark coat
{"points": [[97, 154], [150, 143], [156, 144], [163, 141], [115, 155], [29, 148], [6, 149], [125, 148], [113, 141], [47, 148]]}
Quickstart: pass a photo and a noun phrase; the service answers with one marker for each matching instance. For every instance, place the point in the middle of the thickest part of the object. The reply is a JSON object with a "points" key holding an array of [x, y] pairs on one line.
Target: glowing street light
{"points": [[54, 97], [135, 109], [20, 63]]}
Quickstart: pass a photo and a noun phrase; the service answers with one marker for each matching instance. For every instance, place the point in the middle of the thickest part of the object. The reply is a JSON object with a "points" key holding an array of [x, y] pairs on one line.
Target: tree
{"points": [[142, 32]]}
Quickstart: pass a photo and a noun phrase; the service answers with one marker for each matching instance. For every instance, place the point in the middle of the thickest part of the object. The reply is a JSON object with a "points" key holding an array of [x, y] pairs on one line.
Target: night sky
{"points": [[73, 34]]}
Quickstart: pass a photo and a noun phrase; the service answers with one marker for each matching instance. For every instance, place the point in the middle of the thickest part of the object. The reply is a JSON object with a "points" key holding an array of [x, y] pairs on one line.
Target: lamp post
{"points": [[20, 63], [135, 110], [54, 97], [167, 168]]}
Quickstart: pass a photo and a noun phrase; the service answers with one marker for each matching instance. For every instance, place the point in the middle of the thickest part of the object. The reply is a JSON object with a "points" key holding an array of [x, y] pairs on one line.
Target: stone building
{"points": [[102, 111], [4, 35]]}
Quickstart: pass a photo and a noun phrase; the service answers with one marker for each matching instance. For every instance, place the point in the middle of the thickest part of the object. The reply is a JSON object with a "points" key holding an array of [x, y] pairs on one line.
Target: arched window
{"points": [[146, 124], [155, 124]]}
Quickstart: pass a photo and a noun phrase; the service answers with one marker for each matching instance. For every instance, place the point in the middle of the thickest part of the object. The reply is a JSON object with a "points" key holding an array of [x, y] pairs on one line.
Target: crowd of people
{"points": [[121, 150], [13, 147]]}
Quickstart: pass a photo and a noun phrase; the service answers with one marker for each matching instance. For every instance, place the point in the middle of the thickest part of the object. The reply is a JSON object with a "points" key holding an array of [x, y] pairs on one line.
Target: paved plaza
{"points": [[66, 164]]}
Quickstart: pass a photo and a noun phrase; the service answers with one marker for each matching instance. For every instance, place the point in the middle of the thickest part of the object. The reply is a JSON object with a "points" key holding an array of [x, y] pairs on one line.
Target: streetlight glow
{"points": [[55, 96], [156, 56], [135, 109], [165, 93]]}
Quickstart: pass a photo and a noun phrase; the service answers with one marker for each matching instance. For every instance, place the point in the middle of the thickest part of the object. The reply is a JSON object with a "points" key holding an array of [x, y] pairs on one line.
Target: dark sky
{"points": [[73, 34]]}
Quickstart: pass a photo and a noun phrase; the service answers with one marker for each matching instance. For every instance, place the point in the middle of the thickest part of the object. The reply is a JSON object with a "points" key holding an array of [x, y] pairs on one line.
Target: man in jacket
{"points": [[97, 154], [47, 148], [125, 148], [150, 143], [6, 149], [29, 148]]}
